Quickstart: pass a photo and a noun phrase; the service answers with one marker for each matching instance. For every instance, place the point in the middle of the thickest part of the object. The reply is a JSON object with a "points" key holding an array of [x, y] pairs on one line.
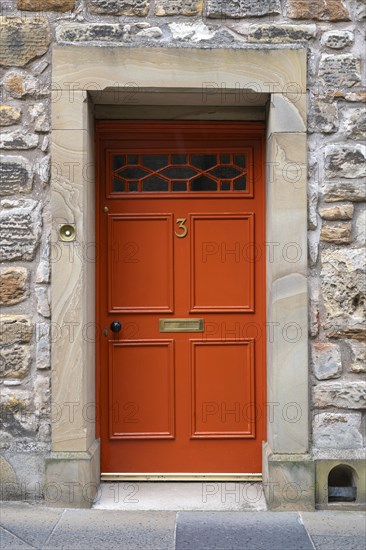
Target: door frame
{"points": [[86, 76]]}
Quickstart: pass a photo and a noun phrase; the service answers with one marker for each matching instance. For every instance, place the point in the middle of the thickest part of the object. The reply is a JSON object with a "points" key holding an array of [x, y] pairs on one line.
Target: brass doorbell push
{"points": [[67, 232]]}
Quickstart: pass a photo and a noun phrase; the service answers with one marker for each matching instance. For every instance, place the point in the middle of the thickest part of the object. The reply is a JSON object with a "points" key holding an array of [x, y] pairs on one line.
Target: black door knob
{"points": [[116, 326]]}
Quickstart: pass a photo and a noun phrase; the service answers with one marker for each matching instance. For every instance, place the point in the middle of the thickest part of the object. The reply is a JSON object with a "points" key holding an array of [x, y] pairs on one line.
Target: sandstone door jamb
{"points": [[75, 452]]}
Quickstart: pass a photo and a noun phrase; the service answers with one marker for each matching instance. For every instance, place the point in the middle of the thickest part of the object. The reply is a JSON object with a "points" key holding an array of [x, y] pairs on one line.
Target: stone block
{"points": [[14, 84], [340, 71], [322, 10], [343, 288], [337, 212], [6, 439], [43, 305], [40, 117], [345, 161], [79, 470], [359, 236], [41, 395], [46, 5], [12, 382], [314, 307], [45, 144], [9, 115], [118, 7], [358, 356], [339, 191], [351, 97], [67, 115], [28, 466], [337, 431], [326, 360], [286, 114], [339, 233], [18, 140], [39, 67], [43, 346], [23, 39], [15, 329], [15, 361], [313, 193], [89, 32], [354, 124], [313, 246], [324, 117], [187, 68], [44, 431], [14, 285], [8, 477], [359, 8], [16, 412], [337, 39], [288, 481], [20, 85], [341, 395], [178, 7], [194, 32], [106, 32], [16, 175], [43, 169], [44, 268], [152, 32], [220, 9], [281, 33], [20, 229]]}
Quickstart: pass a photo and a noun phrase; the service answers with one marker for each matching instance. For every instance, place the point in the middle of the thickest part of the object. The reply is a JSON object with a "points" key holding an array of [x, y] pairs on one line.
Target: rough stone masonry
{"points": [[333, 31]]}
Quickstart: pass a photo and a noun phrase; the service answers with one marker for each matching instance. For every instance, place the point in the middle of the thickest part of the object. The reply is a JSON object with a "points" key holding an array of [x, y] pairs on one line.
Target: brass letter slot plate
{"points": [[181, 325]]}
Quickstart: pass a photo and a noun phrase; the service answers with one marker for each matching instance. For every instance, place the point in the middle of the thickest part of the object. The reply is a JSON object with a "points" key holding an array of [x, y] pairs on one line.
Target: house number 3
{"points": [[181, 224]]}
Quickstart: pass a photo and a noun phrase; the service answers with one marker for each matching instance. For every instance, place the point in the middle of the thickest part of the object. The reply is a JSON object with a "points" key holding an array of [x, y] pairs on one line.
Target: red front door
{"points": [[181, 372]]}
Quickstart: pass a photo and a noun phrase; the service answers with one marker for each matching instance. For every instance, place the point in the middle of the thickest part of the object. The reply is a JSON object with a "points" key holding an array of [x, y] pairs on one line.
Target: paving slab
{"points": [[99, 529], [30, 522], [238, 531], [25, 526], [336, 530], [8, 541], [339, 543], [333, 522], [200, 496]]}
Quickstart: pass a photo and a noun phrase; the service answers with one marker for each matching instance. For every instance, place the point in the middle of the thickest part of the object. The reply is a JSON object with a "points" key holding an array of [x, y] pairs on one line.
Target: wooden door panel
{"points": [[142, 398], [181, 401], [222, 271], [222, 389], [140, 258]]}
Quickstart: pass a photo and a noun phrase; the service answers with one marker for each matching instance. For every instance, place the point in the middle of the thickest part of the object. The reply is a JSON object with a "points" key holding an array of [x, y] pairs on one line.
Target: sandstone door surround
{"points": [[86, 76]]}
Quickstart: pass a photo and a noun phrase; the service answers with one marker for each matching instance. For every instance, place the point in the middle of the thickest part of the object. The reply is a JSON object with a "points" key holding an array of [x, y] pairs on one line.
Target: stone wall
{"points": [[333, 33]]}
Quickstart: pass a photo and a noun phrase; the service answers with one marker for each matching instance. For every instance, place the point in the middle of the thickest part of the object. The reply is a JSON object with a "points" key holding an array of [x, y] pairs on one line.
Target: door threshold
{"points": [[157, 476], [195, 495]]}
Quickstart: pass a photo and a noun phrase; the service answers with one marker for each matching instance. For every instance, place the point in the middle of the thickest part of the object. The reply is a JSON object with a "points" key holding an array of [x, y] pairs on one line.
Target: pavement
{"points": [[125, 522]]}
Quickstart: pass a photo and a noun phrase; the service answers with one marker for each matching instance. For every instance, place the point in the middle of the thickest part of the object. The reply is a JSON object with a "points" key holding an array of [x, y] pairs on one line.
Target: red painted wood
{"points": [[181, 402], [137, 411], [222, 275]]}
